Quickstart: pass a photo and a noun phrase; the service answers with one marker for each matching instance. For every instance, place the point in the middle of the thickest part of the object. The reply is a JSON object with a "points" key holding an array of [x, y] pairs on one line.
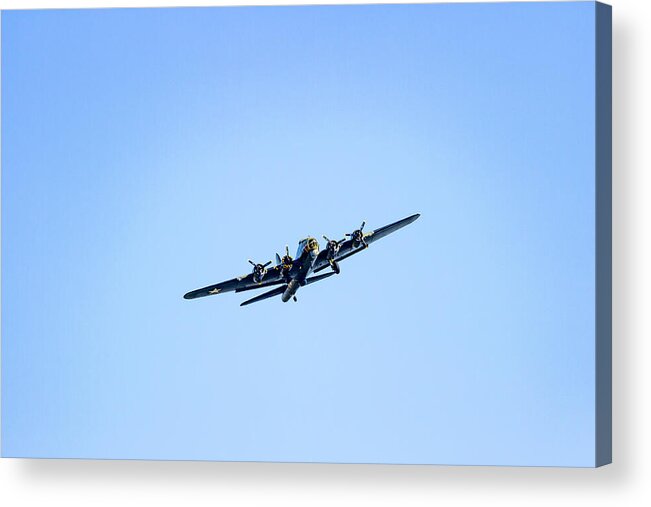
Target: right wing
{"points": [[273, 276], [347, 248], [388, 229]]}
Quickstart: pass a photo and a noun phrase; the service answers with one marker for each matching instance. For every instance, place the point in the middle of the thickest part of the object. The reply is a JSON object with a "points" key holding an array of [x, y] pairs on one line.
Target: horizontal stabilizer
{"points": [[273, 292], [260, 285], [317, 278]]}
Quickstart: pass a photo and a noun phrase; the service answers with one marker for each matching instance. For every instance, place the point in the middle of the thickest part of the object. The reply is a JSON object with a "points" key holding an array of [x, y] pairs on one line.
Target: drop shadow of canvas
{"points": [[436, 478]]}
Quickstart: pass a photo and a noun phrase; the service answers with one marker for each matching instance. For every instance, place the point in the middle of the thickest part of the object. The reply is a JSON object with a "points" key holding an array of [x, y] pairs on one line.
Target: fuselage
{"points": [[308, 250]]}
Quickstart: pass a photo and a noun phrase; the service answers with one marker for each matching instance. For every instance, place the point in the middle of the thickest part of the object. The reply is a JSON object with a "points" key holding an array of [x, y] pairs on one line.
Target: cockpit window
{"points": [[309, 244], [313, 244]]}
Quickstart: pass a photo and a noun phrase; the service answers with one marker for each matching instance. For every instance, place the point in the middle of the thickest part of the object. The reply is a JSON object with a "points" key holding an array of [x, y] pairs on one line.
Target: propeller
{"points": [[287, 259], [358, 236], [259, 270], [332, 245], [285, 262], [332, 249]]}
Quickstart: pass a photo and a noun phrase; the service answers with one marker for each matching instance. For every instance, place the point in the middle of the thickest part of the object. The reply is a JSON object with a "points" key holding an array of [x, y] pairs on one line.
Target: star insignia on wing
{"points": [[214, 291]]}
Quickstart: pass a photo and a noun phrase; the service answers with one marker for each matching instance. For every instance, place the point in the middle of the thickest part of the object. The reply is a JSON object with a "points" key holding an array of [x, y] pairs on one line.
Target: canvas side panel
{"points": [[603, 302]]}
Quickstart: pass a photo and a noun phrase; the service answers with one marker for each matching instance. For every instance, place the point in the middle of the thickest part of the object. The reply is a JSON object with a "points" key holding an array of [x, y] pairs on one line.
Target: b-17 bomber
{"points": [[290, 274]]}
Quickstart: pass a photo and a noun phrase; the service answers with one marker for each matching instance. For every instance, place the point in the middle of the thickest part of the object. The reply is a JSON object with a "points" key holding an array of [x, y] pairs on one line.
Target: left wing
{"points": [[273, 276], [347, 249]]}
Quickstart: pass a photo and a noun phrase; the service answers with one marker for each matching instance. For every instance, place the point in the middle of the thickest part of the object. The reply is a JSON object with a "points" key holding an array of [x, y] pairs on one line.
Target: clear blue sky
{"points": [[146, 153]]}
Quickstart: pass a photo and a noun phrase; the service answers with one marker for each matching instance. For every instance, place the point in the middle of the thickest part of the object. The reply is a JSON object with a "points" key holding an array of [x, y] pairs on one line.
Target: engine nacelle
{"points": [[357, 237], [332, 248], [259, 270], [285, 262]]}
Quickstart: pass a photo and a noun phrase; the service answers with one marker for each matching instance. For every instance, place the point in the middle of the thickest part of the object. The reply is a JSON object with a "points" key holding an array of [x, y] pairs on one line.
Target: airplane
{"points": [[290, 274]]}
